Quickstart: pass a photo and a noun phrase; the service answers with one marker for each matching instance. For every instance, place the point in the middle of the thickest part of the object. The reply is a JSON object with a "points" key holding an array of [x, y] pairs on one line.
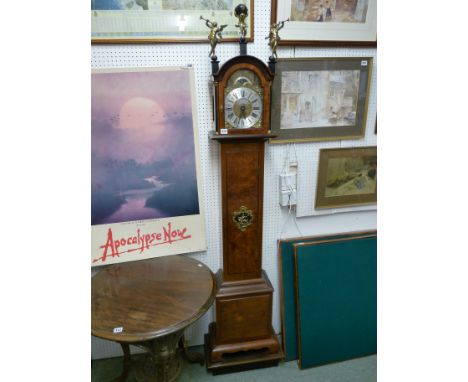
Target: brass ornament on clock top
{"points": [[274, 38], [215, 35], [241, 336]]}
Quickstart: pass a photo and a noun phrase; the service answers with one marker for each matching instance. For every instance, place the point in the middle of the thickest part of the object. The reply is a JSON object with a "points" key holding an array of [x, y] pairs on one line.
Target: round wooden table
{"points": [[148, 304]]}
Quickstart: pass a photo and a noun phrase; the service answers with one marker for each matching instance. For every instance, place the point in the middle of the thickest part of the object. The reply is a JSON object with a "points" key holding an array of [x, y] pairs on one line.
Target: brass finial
{"points": [[214, 36], [274, 38], [241, 12]]}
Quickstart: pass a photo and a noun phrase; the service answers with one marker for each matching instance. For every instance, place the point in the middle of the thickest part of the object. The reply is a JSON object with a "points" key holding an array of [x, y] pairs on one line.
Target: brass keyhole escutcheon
{"points": [[243, 218]]}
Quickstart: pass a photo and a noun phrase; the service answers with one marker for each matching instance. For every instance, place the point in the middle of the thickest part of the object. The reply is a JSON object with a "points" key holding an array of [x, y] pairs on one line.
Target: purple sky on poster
{"points": [[143, 156]]}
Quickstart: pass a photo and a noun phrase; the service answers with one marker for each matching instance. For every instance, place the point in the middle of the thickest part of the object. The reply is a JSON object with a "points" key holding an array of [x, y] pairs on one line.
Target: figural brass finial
{"points": [[241, 12], [214, 36], [242, 218], [275, 38]]}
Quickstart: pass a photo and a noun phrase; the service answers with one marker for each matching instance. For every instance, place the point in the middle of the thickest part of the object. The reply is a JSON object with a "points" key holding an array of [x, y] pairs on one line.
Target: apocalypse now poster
{"points": [[145, 171]]}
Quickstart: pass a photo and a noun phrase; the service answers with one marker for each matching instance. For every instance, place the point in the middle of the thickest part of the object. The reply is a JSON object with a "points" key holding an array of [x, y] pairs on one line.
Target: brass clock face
{"points": [[243, 101], [242, 108]]}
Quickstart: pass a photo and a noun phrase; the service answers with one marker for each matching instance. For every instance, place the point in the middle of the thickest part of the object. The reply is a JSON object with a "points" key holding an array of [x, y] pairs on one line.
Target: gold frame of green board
{"points": [[287, 284], [336, 300], [347, 177]]}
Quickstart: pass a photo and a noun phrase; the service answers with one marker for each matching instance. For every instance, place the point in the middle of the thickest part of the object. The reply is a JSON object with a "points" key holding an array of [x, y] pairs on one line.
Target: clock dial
{"points": [[242, 108]]}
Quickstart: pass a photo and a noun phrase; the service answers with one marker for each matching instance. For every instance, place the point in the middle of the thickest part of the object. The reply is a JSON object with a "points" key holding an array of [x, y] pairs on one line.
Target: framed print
{"points": [[318, 99], [134, 21], [347, 177], [327, 22], [146, 196]]}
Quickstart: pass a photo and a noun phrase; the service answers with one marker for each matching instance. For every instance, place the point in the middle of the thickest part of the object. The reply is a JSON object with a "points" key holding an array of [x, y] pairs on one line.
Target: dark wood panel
{"points": [[240, 138], [242, 333], [243, 171], [244, 318]]}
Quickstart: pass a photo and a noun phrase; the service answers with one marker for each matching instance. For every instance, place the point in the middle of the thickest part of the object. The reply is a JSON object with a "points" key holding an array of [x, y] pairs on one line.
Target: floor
{"points": [[357, 370]]}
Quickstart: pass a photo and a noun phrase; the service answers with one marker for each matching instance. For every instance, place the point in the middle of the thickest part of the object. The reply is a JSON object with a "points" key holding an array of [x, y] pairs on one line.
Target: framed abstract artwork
{"points": [[318, 99], [327, 22], [146, 197], [140, 21], [347, 177]]}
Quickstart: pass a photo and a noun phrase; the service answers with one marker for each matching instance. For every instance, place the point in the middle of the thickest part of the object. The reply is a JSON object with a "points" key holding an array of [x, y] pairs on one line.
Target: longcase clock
{"points": [[242, 335]]}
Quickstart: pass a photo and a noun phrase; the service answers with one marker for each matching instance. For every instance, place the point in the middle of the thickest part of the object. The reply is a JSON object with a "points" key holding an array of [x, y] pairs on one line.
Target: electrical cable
{"points": [[287, 218]]}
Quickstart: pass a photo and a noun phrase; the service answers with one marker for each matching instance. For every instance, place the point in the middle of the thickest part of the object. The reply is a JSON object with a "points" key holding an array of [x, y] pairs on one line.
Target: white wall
{"points": [[311, 222]]}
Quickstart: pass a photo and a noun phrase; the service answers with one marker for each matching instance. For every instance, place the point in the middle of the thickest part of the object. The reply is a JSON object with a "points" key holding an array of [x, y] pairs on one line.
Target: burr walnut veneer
{"points": [[242, 336]]}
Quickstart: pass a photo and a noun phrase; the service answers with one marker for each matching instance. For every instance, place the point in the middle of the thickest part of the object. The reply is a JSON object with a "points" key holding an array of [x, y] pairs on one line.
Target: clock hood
{"points": [[226, 68]]}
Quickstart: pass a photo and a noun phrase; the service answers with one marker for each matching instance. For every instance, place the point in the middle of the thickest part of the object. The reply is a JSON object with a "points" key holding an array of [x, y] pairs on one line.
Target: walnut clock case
{"points": [[242, 336]]}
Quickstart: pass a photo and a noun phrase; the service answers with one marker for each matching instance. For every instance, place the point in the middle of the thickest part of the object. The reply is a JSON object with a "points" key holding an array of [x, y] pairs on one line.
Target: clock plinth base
{"points": [[242, 337], [234, 357], [242, 350]]}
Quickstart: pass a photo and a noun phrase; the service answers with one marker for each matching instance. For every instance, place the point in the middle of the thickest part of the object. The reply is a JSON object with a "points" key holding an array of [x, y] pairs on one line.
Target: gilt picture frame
{"points": [[347, 177], [164, 21], [327, 22], [319, 99]]}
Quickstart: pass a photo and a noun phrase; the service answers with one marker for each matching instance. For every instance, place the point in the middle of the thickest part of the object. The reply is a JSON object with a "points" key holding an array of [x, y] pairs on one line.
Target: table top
{"points": [[149, 298]]}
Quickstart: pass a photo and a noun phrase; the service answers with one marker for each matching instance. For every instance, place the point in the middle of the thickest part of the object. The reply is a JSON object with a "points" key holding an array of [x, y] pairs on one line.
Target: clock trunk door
{"points": [[242, 191]]}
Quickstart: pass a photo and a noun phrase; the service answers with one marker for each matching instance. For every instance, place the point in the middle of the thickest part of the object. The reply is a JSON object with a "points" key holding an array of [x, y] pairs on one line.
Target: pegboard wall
{"points": [[279, 222]]}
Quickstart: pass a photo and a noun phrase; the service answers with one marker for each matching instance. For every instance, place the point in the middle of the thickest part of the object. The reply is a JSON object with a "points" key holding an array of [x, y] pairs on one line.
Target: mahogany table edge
{"points": [[140, 337], [171, 337]]}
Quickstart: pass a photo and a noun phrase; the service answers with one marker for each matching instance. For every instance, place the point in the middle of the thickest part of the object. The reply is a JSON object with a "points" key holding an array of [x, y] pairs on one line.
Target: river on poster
{"points": [[145, 192]]}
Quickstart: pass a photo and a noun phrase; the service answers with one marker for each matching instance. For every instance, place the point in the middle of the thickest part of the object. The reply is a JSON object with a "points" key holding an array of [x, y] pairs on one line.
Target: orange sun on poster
{"points": [[144, 114]]}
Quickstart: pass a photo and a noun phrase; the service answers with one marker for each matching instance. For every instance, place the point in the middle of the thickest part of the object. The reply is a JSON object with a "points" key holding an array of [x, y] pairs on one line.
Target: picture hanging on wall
{"points": [[317, 99], [146, 196], [347, 177], [133, 21], [327, 22]]}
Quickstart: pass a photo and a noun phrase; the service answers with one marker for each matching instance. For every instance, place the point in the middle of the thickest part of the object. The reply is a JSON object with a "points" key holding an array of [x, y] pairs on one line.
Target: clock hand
{"points": [[242, 111]]}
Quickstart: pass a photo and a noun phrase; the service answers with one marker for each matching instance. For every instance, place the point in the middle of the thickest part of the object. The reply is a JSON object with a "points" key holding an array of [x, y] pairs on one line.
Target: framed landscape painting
{"points": [[133, 21], [327, 22], [347, 177], [317, 99], [145, 173]]}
